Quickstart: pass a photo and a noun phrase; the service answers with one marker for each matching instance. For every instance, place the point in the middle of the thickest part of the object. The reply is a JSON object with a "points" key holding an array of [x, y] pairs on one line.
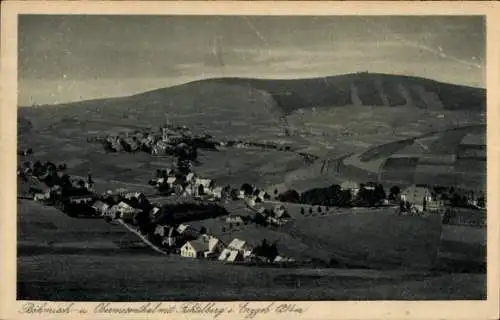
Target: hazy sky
{"points": [[74, 57]]}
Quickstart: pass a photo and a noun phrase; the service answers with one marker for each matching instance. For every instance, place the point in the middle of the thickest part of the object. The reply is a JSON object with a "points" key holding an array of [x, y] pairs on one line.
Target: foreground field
{"points": [[139, 277], [61, 258]]}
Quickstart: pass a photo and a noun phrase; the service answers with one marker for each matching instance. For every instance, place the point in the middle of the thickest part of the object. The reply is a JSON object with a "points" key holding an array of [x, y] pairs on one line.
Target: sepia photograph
{"points": [[242, 157], [248, 158]]}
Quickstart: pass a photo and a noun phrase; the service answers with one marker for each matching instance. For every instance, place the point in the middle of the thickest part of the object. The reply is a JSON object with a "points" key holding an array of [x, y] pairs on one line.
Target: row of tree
{"points": [[368, 195]]}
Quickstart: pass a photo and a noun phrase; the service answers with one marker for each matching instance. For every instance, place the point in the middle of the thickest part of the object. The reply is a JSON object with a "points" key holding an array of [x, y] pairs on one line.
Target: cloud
{"points": [[100, 53]]}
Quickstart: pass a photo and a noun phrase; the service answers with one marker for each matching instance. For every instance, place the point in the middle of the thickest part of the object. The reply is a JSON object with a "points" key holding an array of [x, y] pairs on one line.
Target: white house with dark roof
{"points": [[100, 207], [234, 219], [214, 245], [190, 176], [230, 255], [350, 185], [241, 246], [171, 180], [421, 198], [194, 248]]}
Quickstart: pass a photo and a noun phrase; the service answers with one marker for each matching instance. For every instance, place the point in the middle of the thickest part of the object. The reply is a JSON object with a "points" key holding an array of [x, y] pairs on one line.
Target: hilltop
{"points": [[365, 89], [284, 96]]}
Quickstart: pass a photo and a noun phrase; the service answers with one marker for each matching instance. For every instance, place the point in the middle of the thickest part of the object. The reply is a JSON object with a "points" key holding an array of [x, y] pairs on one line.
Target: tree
{"points": [[247, 189], [379, 193], [272, 251], [289, 196], [201, 190], [394, 192], [234, 194], [81, 183]]}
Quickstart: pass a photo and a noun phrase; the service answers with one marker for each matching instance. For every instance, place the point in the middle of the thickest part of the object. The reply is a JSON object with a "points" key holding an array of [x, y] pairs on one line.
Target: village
{"points": [[180, 141], [186, 197]]}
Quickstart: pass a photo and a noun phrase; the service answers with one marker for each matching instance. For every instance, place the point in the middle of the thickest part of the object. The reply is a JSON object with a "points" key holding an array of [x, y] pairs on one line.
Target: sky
{"points": [[64, 58]]}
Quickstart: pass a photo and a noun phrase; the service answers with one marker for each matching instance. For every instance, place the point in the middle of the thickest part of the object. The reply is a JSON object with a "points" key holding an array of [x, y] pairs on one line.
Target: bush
{"points": [[289, 196]]}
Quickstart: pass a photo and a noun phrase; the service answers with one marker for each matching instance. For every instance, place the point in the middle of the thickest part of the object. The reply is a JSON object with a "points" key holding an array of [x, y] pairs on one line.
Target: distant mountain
{"points": [[370, 89], [263, 102]]}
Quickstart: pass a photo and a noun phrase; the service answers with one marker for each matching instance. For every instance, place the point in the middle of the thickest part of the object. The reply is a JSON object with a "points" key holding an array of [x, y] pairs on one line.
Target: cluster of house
{"points": [[120, 205], [277, 216], [423, 198], [193, 244], [48, 183], [168, 140], [156, 142], [189, 185]]}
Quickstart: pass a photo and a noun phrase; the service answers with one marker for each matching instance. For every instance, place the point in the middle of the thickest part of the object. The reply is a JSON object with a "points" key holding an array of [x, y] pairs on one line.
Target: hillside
{"points": [[261, 96], [369, 89]]}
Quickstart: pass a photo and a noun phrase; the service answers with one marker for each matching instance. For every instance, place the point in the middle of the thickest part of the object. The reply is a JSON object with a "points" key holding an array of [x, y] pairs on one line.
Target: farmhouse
{"points": [[80, 199], [260, 196], [124, 211], [217, 193], [160, 148], [240, 246], [170, 238], [421, 198], [240, 194], [189, 177], [251, 202], [161, 230], [350, 185], [206, 183], [41, 196], [230, 255], [100, 207], [194, 248], [130, 195], [280, 212], [154, 212], [215, 246], [187, 231], [234, 219], [275, 221]]}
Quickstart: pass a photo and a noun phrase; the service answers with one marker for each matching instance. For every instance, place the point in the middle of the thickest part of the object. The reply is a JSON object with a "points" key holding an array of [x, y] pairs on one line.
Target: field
{"points": [[89, 260]]}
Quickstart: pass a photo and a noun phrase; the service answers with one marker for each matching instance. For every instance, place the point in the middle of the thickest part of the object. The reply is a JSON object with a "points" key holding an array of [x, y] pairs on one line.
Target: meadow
{"points": [[90, 260]]}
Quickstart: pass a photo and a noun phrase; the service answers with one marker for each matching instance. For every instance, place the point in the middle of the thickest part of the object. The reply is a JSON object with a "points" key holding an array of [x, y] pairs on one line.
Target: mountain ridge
{"points": [[371, 89]]}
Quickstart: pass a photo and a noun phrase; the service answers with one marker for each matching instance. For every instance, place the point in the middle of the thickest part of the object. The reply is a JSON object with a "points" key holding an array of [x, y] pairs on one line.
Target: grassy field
{"points": [[45, 230], [90, 260]]}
